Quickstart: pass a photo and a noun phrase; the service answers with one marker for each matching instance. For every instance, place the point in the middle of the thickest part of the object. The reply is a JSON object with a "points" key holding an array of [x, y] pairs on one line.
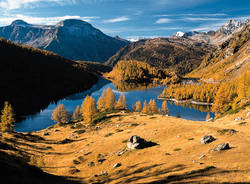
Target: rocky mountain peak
{"points": [[19, 23], [231, 26]]}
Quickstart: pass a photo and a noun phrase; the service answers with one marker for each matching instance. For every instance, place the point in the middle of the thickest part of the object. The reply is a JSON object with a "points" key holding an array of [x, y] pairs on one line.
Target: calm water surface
{"points": [[42, 120]]}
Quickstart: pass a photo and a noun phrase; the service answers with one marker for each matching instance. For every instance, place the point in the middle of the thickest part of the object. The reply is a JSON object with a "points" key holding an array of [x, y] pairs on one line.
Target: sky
{"points": [[129, 19]]}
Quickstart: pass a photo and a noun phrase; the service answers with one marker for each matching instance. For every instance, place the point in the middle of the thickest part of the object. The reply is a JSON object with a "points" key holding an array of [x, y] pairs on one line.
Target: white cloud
{"points": [[17, 4], [118, 19], [41, 20], [201, 19], [163, 21]]}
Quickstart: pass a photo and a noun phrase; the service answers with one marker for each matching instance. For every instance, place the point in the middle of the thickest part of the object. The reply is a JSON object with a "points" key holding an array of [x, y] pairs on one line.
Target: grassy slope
{"points": [[179, 138]]}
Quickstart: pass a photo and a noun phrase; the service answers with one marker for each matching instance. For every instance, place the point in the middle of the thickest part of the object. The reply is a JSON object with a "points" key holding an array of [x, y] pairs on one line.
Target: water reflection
{"points": [[132, 92]]}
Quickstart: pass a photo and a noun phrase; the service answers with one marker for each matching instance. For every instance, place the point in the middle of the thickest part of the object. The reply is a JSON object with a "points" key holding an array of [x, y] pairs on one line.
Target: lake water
{"points": [[43, 120]]}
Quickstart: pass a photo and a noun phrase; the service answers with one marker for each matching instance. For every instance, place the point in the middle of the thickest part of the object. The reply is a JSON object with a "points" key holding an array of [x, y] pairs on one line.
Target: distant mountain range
{"points": [[74, 39], [216, 37]]}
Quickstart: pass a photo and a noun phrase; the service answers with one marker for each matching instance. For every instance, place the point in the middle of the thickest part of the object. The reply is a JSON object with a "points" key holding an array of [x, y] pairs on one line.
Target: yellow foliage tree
{"points": [[164, 108], [138, 107], [89, 109], [7, 118], [101, 104], [121, 103], [77, 113], [59, 115], [153, 107], [109, 99], [146, 109]]}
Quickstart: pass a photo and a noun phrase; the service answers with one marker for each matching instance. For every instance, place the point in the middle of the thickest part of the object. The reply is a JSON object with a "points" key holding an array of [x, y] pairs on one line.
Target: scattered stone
{"points": [[97, 128], [117, 165], [120, 153], [227, 131], [202, 156], [91, 164], [100, 158], [221, 147], [201, 163], [238, 119], [248, 114], [95, 175], [210, 119], [105, 173], [207, 139], [76, 162], [74, 170], [56, 130], [87, 153], [136, 142], [167, 154], [46, 133]]}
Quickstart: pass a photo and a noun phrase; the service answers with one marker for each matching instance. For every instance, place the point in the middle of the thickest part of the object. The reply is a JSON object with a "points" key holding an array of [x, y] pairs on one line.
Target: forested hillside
{"points": [[227, 73], [31, 78], [139, 72], [179, 55]]}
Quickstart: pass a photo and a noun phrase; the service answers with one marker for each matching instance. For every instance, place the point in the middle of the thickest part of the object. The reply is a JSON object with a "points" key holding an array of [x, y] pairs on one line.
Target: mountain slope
{"points": [[221, 35], [228, 61], [32, 78], [179, 55], [74, 39]]}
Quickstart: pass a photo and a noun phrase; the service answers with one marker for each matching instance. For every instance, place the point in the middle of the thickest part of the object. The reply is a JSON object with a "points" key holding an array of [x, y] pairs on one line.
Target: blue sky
{"points": [[129, 18]]}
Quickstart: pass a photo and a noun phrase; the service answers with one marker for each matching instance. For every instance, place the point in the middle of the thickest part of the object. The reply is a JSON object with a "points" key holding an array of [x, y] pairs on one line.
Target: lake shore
{"points": [[184, 101]]}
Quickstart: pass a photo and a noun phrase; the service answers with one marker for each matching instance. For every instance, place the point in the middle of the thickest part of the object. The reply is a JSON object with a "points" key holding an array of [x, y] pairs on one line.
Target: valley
{"points": [[79, 106]]}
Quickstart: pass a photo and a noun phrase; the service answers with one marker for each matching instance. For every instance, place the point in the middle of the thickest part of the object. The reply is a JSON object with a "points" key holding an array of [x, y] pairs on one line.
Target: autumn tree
{"points": [[164, 108], [121, 103], [7, 118], [59, 115], [77, 113], [138, 106], [109, 99], [101, 104], [153, 107], [146, 109], [89, 109], [208, 116]]}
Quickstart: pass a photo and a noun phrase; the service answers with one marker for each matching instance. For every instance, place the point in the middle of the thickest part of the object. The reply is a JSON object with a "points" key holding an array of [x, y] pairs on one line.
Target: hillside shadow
{"points": [[135, 173], [14, 170]]}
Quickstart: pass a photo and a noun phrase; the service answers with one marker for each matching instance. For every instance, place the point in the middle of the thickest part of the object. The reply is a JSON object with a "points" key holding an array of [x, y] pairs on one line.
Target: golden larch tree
{"points": [[153, 107], [89, 110], [77, 113], [109, 99], [164, 108], [121, 103], [59, 115], [138, 106], [101, 104], [145, 109], [7, 118]]}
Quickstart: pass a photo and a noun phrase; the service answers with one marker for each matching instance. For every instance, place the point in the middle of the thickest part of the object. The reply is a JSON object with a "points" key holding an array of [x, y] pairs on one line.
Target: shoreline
{"points": [[184, 101]]}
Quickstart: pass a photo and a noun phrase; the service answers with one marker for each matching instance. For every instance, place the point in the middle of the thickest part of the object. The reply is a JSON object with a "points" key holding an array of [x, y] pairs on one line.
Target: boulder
{"points": [[207, 139], [136, 142], [117, 165], [220, 147], [238, 119]]}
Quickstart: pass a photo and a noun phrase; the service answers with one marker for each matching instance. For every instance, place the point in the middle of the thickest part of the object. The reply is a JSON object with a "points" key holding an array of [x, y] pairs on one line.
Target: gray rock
{"points": [[105, 173], [46, 133], [136, 142], [207, 139], [91, 164], [238, 119], [220, 147], [117, 165]]}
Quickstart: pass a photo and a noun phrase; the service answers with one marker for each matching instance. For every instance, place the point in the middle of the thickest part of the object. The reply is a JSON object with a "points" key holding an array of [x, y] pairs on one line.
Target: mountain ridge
{"points": [[71, 38]]}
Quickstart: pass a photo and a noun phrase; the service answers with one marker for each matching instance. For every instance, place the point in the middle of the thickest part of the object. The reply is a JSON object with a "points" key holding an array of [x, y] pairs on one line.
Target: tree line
{"points": [[106, 103]]}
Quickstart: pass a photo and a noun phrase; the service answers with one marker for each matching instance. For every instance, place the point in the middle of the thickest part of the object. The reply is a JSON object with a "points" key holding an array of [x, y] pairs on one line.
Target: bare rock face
{"points": [[207, 139]]}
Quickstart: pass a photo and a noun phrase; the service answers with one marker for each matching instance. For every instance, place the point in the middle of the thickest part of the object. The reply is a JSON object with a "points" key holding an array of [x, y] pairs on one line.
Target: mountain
{"points": [[74, 39], [221, 35], [31, 78], [179, 34], [179, 55], [228, 61]]}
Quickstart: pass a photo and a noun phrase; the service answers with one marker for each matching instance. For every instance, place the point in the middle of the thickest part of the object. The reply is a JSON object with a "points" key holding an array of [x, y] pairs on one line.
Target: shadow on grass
{"points": [[136, 173]]}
